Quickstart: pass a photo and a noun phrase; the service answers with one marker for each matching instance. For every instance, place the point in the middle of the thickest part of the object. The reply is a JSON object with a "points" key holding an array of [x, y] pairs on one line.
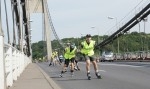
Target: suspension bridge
{"points": [[15, 45]]}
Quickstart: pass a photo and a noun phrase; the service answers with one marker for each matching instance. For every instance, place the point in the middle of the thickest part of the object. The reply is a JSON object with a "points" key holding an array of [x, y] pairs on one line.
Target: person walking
{"points": [[87, 49]]}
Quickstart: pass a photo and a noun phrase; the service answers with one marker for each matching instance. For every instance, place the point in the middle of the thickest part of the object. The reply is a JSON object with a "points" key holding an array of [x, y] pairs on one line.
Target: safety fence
{"points": [[140, 55], [12, 65]]}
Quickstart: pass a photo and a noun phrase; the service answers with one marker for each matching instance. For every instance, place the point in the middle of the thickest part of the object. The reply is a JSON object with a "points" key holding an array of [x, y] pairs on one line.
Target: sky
{"points": [[76, 18]]}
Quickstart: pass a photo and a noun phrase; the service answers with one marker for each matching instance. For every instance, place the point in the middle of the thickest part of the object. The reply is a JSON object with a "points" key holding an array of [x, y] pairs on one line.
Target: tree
{"points": [[128, 43]]}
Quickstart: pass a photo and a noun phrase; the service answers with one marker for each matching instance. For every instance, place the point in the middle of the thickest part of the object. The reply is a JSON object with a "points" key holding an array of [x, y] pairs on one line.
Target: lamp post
{"points": [[145, 48], [97, 34], [97, 39], [116, 28], [78, 42]]}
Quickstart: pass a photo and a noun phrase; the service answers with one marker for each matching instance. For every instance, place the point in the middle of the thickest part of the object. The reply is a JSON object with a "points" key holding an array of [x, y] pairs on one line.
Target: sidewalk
{"points": [[34, 77]]}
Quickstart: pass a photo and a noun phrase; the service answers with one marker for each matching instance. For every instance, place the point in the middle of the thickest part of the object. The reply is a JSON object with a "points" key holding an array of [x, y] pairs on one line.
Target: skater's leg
{"points": [[96, 68], [72, 65], [51, 61], [77, 65], [87, 64], [66, 63], [88, 67]]}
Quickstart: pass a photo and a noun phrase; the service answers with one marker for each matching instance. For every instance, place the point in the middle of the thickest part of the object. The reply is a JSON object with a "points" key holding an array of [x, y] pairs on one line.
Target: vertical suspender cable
{"points": [[43, 30], [43, 22], [7, 21], [1, 31], [52, 26], [14, 35]]}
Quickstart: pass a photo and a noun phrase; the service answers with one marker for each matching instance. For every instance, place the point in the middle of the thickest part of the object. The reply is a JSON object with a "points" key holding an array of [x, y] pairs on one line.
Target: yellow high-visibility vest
{"points": [[54, 54], [68, 54], [88, 49]]}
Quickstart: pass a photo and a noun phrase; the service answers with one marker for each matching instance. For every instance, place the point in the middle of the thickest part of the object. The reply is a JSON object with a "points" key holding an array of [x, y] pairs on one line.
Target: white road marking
{"points": [[121, 65], [116, 65], [102, 70]]}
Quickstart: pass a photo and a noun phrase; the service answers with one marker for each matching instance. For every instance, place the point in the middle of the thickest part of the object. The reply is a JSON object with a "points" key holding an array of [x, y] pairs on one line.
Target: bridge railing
{"points": [[13, 62], [139, 55]]}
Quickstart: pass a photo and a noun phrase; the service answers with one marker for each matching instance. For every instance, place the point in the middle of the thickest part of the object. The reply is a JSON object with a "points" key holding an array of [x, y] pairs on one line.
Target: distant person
{"points": [[54, 58], [61, 58], [87, 49], [70, 53]]}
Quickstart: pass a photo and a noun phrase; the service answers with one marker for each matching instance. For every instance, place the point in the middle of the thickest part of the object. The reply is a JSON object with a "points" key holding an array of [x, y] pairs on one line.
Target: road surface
{"points": [[115, 75]]}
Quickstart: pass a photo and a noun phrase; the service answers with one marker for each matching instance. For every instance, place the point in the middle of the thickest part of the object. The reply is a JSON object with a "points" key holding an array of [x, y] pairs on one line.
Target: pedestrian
{"points": [[70, 53], [87, 49]]}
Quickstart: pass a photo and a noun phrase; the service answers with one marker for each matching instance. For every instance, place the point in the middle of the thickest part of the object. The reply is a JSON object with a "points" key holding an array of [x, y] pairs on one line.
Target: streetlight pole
{"points": [[116, 28], [145, 37], [97, 38], [97, 34], [78, 42]]}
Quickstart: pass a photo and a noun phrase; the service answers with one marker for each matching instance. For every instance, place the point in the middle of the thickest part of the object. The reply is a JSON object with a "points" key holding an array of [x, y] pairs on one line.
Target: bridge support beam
{"points": [[47, 30]]}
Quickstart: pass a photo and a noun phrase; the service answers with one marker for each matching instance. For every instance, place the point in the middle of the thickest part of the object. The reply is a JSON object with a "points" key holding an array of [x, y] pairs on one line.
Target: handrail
{"points": [[15, 62]]}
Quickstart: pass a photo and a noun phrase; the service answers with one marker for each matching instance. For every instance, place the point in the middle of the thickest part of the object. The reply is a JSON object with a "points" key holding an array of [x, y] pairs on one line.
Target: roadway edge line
{"points": [[49, 80]]}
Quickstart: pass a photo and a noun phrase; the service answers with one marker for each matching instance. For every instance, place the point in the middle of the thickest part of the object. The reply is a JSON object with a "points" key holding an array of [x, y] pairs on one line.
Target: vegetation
{"points": [[130, 42]]}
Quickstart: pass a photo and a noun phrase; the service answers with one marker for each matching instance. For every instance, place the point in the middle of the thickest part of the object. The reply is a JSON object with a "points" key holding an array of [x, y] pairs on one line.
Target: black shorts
{"points": [[91, 58], [69, 60]]}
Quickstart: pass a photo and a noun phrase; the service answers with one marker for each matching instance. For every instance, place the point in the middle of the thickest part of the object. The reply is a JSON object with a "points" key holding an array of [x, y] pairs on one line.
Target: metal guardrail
{"points": [[15, 63], [12, 64], [139, 55]]}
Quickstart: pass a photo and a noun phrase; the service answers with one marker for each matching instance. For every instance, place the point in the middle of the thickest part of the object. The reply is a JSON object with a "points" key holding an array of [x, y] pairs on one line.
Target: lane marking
{"points": [[102, 70], [124, 65], [121, 65]]}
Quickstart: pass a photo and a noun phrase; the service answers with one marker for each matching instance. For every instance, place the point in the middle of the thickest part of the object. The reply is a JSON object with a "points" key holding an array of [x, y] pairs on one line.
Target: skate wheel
{"points": [[72, 75], [99, 77], [60, 76], [89, 78]]}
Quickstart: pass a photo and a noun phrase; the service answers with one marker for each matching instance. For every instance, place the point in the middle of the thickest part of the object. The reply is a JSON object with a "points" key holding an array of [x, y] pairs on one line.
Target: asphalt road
{"points": [[115, 75]]}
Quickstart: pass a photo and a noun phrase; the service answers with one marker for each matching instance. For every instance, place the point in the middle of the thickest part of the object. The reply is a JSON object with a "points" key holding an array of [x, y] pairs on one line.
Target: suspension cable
{"points": [[43, 31], [7, 21], [52, 26], [43, 20], [1, 31], [14, 36]]}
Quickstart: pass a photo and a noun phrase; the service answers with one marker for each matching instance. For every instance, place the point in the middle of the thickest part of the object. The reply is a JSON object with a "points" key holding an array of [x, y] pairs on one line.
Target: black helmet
{"points": [[68, 44], [88, 35], [72, 45]]}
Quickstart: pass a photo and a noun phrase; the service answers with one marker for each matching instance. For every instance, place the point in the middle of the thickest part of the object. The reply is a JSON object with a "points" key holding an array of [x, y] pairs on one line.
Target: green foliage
{"points": [[38, 49], [129, 42]]}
